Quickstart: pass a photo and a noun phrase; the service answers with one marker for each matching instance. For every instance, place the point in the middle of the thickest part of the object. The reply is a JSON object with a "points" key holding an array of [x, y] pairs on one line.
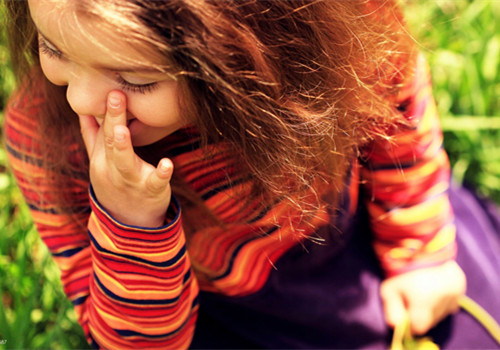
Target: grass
{"points": [[461, 40]]}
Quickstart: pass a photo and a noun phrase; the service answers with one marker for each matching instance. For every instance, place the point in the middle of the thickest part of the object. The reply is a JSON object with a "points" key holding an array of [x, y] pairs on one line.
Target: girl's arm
{"points": [[406, 180], [131, 287]]}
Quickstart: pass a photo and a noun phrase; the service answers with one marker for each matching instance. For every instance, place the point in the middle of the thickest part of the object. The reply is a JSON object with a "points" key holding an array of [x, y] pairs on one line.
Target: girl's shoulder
{"points": [[22, 116], [27, 100]]}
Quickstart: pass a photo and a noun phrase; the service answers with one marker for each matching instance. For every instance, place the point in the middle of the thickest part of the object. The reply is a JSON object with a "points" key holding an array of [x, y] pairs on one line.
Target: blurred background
{"points": [[461, 40]]}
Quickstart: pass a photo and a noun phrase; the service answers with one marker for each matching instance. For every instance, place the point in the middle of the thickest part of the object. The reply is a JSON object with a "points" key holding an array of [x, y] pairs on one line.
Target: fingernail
{"points": [[114, 100], [119, 136], [164, 166]]}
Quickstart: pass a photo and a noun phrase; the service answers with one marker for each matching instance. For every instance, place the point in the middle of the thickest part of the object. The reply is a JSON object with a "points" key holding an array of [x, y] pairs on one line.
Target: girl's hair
{"points": [[294, 88]]}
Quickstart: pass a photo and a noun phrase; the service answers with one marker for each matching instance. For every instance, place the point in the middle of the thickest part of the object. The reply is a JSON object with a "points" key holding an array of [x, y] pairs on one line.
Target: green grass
{"points": [[35, 312], [461, 40]]}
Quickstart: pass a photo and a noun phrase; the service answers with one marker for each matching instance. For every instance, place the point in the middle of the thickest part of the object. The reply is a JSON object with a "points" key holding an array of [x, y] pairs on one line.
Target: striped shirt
{"points": [[134, 287]]}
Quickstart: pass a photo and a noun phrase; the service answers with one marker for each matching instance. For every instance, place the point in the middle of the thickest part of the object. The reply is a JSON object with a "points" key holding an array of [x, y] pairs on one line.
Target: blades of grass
{"points": [[491, 60], [447, 75], [493, 168], [490, 181], [5, 330], [473, 11], [495, 8], [20, 323], [473, 82], [490, 155], [23, 331], [459, 169], [467, 123], [48, 339]]}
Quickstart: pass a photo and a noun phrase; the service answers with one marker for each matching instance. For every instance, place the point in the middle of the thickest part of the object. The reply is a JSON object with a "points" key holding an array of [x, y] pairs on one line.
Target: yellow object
{"points": [[481, 316], [403, 340]]}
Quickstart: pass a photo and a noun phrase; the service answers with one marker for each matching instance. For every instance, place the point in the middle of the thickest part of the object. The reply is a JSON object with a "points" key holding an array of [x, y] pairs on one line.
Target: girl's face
{"points": [[92, 68]]}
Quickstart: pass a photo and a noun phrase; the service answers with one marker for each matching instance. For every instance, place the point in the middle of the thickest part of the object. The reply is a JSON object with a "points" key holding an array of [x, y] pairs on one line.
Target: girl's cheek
{"points": [[158, 108], [54, 71]]}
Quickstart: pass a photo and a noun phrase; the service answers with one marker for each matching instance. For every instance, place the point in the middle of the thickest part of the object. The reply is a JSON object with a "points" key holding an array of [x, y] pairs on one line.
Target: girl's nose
{"points": [[86, 95]]}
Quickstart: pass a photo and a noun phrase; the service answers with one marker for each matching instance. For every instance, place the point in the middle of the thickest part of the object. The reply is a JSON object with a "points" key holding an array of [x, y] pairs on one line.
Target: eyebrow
{"points": [[124, 69]]}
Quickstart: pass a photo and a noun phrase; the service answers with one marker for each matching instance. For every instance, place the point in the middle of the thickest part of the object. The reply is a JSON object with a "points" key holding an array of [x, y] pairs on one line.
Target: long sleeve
{"points": [[131, 287], [406, 179]]}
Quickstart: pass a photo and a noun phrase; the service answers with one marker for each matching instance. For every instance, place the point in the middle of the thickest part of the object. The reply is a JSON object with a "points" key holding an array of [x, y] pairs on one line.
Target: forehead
{"points": [[108, 38]]}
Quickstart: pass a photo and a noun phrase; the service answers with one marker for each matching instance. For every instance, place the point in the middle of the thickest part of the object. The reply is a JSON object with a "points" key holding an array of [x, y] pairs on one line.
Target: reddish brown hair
{"points": [[294, 87]]}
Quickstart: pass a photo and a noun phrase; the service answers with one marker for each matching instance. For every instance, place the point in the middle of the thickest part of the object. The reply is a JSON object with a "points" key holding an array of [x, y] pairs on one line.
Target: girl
{"points": [[243, 174]]}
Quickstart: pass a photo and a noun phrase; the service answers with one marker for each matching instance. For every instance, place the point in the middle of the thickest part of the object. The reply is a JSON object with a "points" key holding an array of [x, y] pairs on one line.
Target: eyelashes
{"points": [[53, 53], [142, 88], [47, 50]]}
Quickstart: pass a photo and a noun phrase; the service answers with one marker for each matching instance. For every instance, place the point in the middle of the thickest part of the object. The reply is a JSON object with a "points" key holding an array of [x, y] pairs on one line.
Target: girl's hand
{"points": [[131, 190], [428, 295]]}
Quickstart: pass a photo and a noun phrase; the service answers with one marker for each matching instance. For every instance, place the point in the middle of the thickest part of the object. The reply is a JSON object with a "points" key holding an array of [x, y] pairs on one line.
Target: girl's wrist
{"points": [[142, 218]]}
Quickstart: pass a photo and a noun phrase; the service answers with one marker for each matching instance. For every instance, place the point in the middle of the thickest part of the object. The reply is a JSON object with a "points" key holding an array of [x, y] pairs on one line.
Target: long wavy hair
{"points": [[295, 88]]}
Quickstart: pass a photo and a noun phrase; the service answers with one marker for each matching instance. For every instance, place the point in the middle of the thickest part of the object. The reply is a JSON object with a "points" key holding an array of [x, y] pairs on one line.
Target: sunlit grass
{"points": [[461, 40]]}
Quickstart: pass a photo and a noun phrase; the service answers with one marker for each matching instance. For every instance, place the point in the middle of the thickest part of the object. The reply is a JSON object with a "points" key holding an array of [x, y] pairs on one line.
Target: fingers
{"points": [[89, 129], [126, 162], [123, 155], [119, 149], [422, 319], [425, 295], [394, 305], [159, 179], [397, 309], [117, 141], [116, 114]]}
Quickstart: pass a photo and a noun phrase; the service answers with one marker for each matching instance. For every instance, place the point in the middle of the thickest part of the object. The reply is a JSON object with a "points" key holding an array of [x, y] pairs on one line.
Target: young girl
{"points": [[243, 174]]}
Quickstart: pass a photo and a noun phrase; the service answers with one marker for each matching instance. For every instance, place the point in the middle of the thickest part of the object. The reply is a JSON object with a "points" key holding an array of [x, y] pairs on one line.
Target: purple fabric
{"points": [[327, 296], [478, 223]]}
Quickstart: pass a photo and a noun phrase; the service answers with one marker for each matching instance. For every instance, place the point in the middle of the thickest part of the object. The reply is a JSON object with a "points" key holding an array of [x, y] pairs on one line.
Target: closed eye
{"points": [[51, 52], [47, 49], [140, 88]]}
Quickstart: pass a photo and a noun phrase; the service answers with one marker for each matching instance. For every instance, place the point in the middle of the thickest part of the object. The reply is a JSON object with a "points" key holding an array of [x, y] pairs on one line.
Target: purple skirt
{"points": [[327, 296]]}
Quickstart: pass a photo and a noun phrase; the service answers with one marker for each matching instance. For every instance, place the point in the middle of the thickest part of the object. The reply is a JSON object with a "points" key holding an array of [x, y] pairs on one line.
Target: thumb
{"points": [[394, 305]]}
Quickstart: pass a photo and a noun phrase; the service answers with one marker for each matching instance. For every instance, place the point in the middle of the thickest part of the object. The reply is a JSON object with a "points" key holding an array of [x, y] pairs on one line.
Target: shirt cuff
{"points": [[173, 222]]}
